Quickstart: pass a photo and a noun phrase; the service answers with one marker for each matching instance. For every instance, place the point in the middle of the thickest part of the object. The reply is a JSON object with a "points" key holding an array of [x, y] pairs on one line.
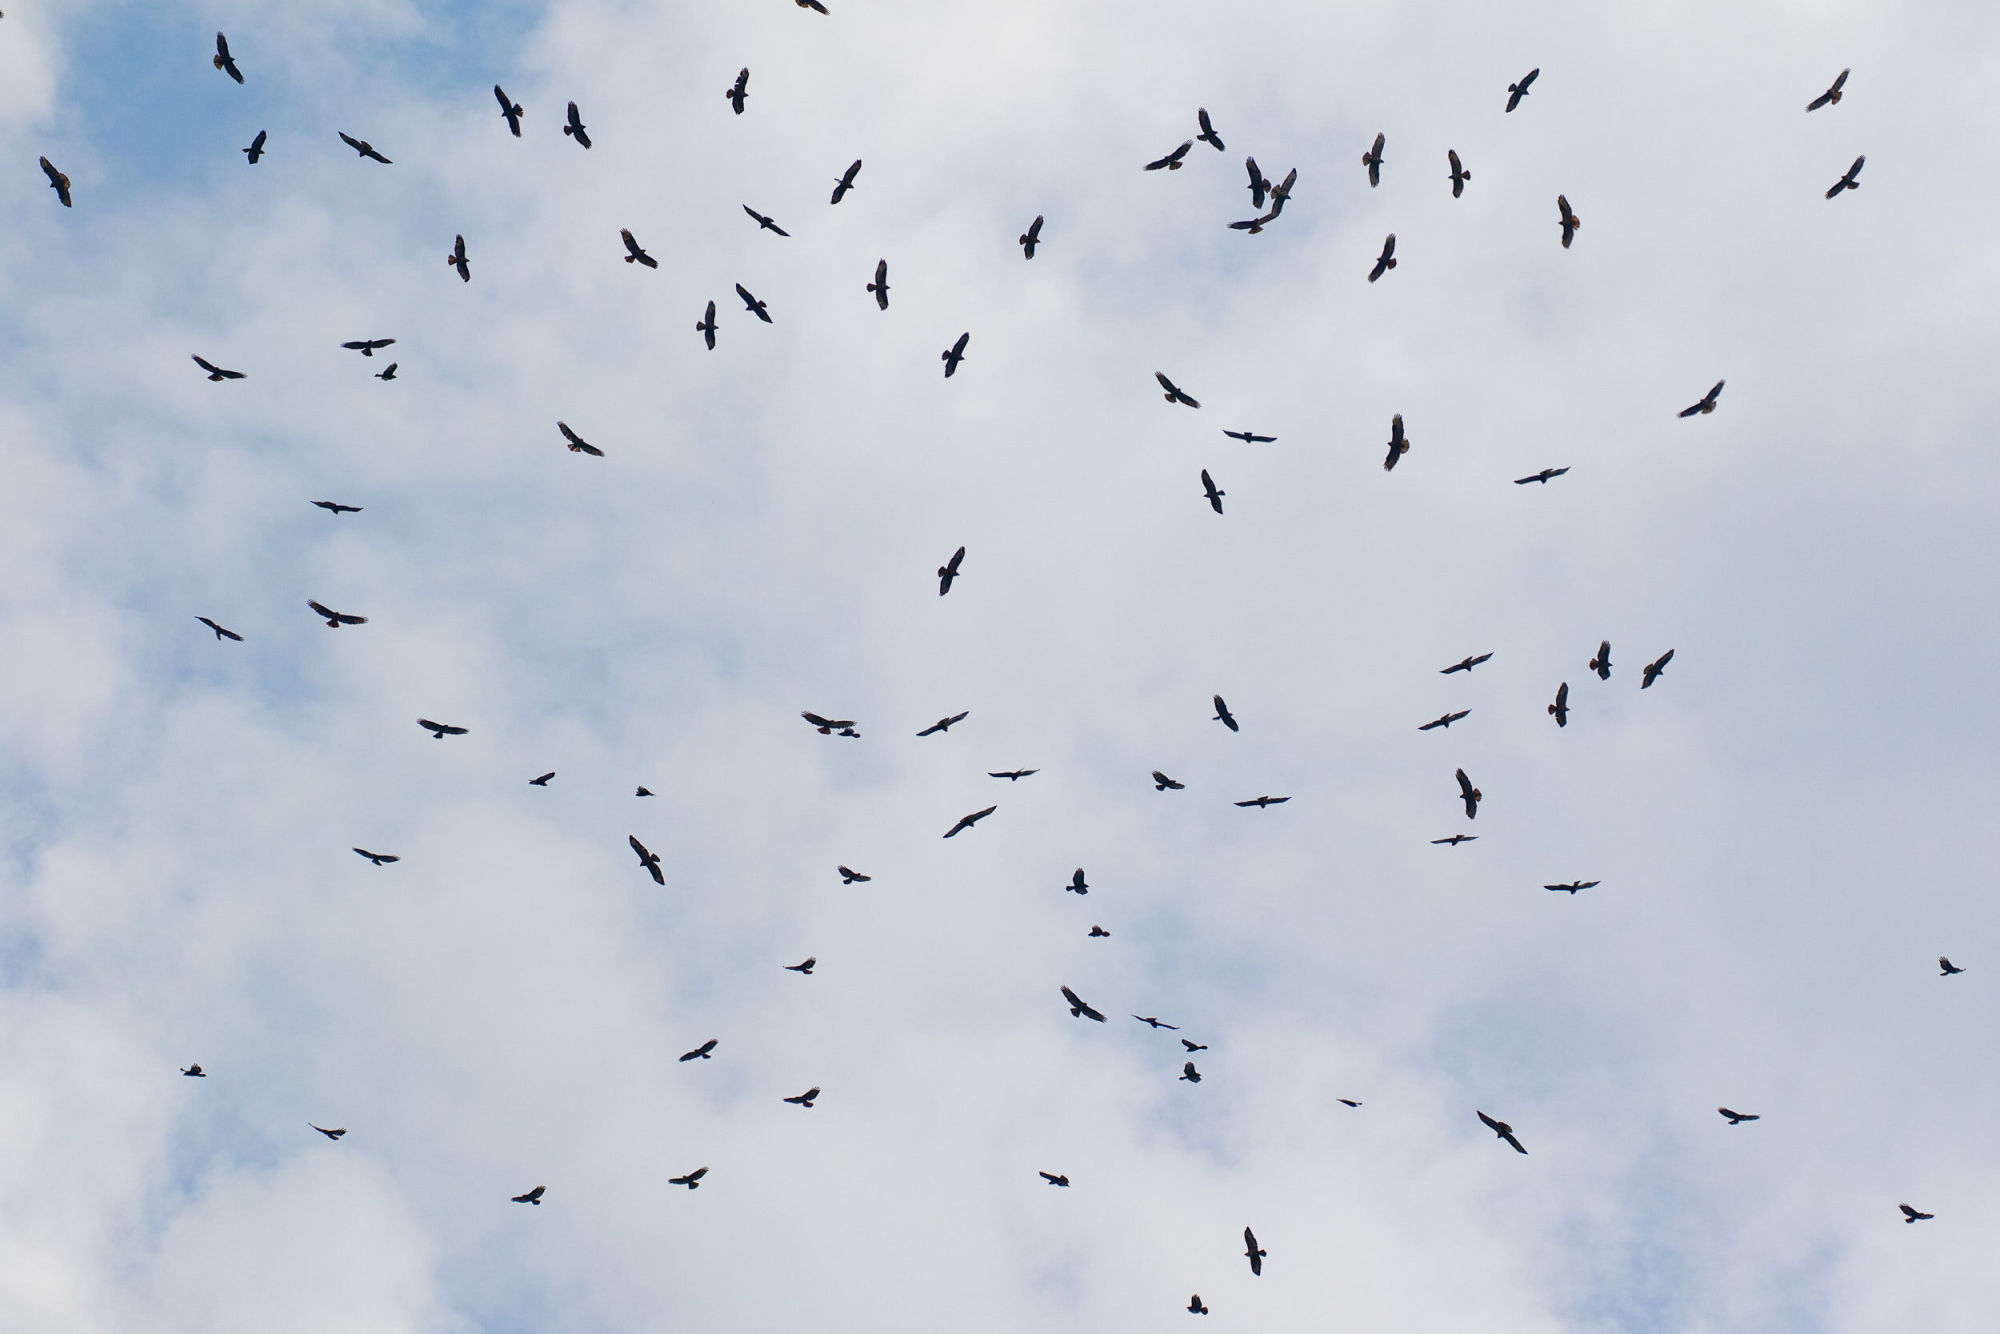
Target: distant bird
{"points": [[577, 444], [803, 969], [1569, 221], [1162, 783], [852, 877], [967, 821], [195, 1072], [1250, 437], [1078, 1009], [1014, 775], [1192, 1045], [642, 791], [543, 781], [1261, 802], [361, 146], [1573, 886], [1281, 193], [648, 859], [954, 354], [1255, 1252], [1189, 1073], [1913, 1216], [378, 858], [220, 633], [1459, 175], [825, 725], [1172, 161], [439, 731], [739, 91], [1208, 135], [805, 1099], [1372, 160], [224, 61], [1457, 839], [1347, 1102], [1652, 670], [1946, 967], [1503, 1130], [1096, 931], [880, 287], [1560, 709], [216, 372], [1208, 488], [1517, 91], [1195, 1307], [1832, 96], [1077, 884], [1465, 664], [367, 346], [1601, 664], [575, 129], [510, 111], [256, 149], [388, 372], [1543, 476], [57, 182], [1707, 403], [1445, 720], [330, 1134], [707, 327], [634, 252], [752, 304], [1386, 260], [703, 1052], [1151, 1022], [532, 1197], [765, 223], [1032, 237], [336, 619], [1174, 394], [948, 572], [1223, 715], [1259, 187], [1847, 180], [813, 5], [456, 260], [692, 1180], [1053, 1179], [1471, 795], [945, 724], [1737, 1118], [846, 182]]}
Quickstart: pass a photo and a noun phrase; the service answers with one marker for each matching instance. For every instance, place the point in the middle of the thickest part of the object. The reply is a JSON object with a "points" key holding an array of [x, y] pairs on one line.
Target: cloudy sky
{"points": [[1788, 828]]}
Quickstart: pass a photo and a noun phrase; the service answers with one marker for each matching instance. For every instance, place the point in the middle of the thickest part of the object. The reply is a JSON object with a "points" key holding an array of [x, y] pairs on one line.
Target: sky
{"points": [[1787, 829]]}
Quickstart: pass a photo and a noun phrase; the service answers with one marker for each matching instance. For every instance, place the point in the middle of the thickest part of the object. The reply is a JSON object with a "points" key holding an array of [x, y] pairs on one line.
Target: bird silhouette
{"points": [[1162, 783], [1224, 716], [1151, 1022], [532, 1197], [850, 877], [1444, 720], [220, 633], [739, 92], [1195, 1307], [1543, 476], [1464, 664], [1031, 238], [1192, 1045], [255, 151], [1250, 437], [1601, 664], [1053, 1179], [706, 328], [224, 61], [1471, 795], [336, 619], [456, 259], [1372, 160], [702, 1053], [967, 821], [1014, 775], [367, 346], [335, 507], [805, 1099], [1172, 161], [1517, 91], [439, 731], [1189, 1073], [1560, 709], [1255, 1252], [510, 111], [195, 1072], [216, 372], [1399, 444], [1262, 802], [764, 223], [634, 252], [377, 858], [805, 968], [1457, 839], [574, 127], [1078, 1009], [1573, 886], [543, 781], [1706, 403], [1208, 135], [1174, 394], [330, 1134], [753, 305], [1651, 672], [1848, 179], [1208, 489], [1912, 1215], [361, 146], [692, 1180], [1077, 884], [1459, 175], [954, 354], [1568, 220], [577, 444], [948, 572], [1386, 260], [945, 724], [880, 287], [845, 182], [648, 859], [1832, 96], [1503, 1130], [1946, 967], [57, 182], [1737, 1118]]}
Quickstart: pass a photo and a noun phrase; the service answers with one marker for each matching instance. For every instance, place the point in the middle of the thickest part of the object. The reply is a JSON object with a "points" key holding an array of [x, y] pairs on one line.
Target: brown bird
{"points": [[1152, 1022], [57, 182], [367, 346], [1459, 175], [851, 877], [945, 724], [1255, 1252], [1707, 403], [388, 372], [1189, 1073], [224, 61], [740, 91], [954, 354], [1174, 394], [1208, 135], [1832, 96], [1192, 1045], [377, 858], [256, 149], [948, 572], [1014, 775], [1570, 222], [692, 1180], [1445, 720], [765, 223], [1457, 839], [439, 731], [1912, 1215], [967, 821], [1465, 664], [1738, 1118], [826, 726], [1573, 886], [361, 146], [752, 304], [509, 110], [1503, 1130], [634, 252], [336, 619], [1259, 187], [1053, 1179], [1601, 664], [1560, 709], [1032, 237], [1172, 161], [195, 1072], [706, 328], [804, 969], [1208, 489], [575, 128], [1651, 672], [1399, 444], [1097, 931], [846, 182], [880, 287], [220, 633], [456, 260], [335, 507], [648, 859], [1262, 802], [1162, 783], [1078, 1009], [1471, 795], [1517, 91], [543, 781], [701, 1053], [1223, 715], [532, 1197], [216, 372], [1077, 884], [330, 1134], [1372, 160], [805, 1099], [813, 5], [1386, 260], [1195, 1307], [577, 444], [1946, 967], [1543, 476], [1847, 180]]}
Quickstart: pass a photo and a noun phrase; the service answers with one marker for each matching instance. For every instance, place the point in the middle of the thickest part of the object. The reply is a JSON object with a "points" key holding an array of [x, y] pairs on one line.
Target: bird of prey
{"points": [[1077, 884], [813, 5], [1911, 1215], [851, 877], [1517, 91], [577, 444], [692, 1180], [1503, 1130], [1250, 437], [378, 858], [1737, 1118], [224, 61], [1155, 1023], [361, 146], [575, 129], [366, 346], [825, 725], [330, 1134], [1281, 193], [388, 372], [220, 633], [1543, 476], [945, 724], [1471, 795], [1208, 135], [805, 1099], [634, 252], [642, 791], [1347, 1102], [701, 1053], [1253, 225], [1569, 221], [1174, 394], [765, 223], [1208, 489], [1261, 802], [752, 304], [1847, 180], [1259, 187], [456, 260], [954, 354], [1189, 1073], [1459, 175], [804, 969], [1097, 931], [57, 182], [846, 182], [195, 1072], [256, 148], [1601, 664], [510, 110], [1053, 1179], [880, 287], [967, 821], [1946, 967], [1078, 1009], [948, 571], [439, 731], [1172, 161], [1832, 96], [1223, 715], [1192, 1045], [1386, 260], [1013, 775], [216, 372], [1707, 403], [1457, 839], [336, 619], [1032, 237], [532, 1197], [1651, 672], [1255, 1252], [1560, 709], [1195, 1307], [1573, 886], [1465, 664], [543, 781], [706, 328], [740, 90], [1372, 160], [1162, 783], [648, 859], [1445, 720]]}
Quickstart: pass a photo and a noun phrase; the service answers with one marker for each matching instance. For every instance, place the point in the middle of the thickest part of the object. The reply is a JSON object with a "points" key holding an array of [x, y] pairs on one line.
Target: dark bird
{"points": [[1192, 1045], [1223, 715], [577, 444], [1386, 260], [1250, 437], [1259, 187], [439, 731], [1946, 967], [648, 859], [1737, 1118], [57, 182], [1543, 476], [1569, 221], [1445, 720], [1208, 135], [224, 61], [1459, 175], [1372, 160], [1471, 795], [1832, 96], [336, 619], [642, 791], [366, 346], [1151, 1022], [1031, 238], [1517, 91], [361, 146], [1255, 1252], [378, 858], [1208, 489], [1573, 886], [1096, 931], [1601, 664], [752, 304], [692, 1180], [1465, 664], [456, 260], [1053, 1179], [1013, 775], [701, 1053], [1847, 180], [1078, 1009], [510, 110], [574, 129], [948, 571], [330, 1134], [1503, 1130], [216, 372], [1189, 1073], [532, 1197], [634, 252], [805, 968], [846, 182], [335, 507], [195, 1072], [543, 781], [1281, 193], [764, 222], [1651, 672], [220, 633], [954, 354], [945, 724], [805, 1099], [825, 725], [1195, 1307], [707, 327], [740, 90], [967, 821], [1560, 709], [1707, 403], [852, 877], [1347, 1102], [1457, 839], [1162, 783], [1261, 802], [813, 5], [1174, 394], [1077, 884], [1911, 1215], [388, 372], [256, 148], [1172, 161], [880, 287]]}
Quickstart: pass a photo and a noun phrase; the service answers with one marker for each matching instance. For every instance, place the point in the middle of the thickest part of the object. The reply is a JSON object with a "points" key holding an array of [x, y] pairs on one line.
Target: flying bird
{"points": [[825, 725], [1261, 802], [216, 372], [1192, 1045], [803, 969], [1151, 1022], [577, 444], [1259, 187], [1737, 1118], [1386, 260], [1013, 775], [256, 148], [765, 223], [195, 1072], [378, 858], [1195, 1307], [1208, 489], [634, 252], [1445, 720], [1078, 1009], [948, 571], [361, 146], [1465, 664], [642, 791], [1946, 967], [543, 781], [1399, 444], [220, 633], [648, 859], [1471, 795], [330, 1134], [1223, 715], [1162, 783], [1847, 180], [1032, 237], [1459, 175], [880, 287], [366, 346], [1832, 96], [1097, 931], [1707, 403], [57, 182], [706, 328], [1543, 476], [1457, 839], [805, 1099], [1189, 1073], [1517, 91], [1372, 160], [388, 372], [967, 821], [1652, 670], [1569, 221], [813, 5], [1503, 1130], [852, 877], [752, 304], [846, 182], [954, 354], [1911, 1215], [1208, 135], [1347, 1102], [1053, 1179], [510, 111], [1601, 664], [439, 731], [456, 260], [1255, 1252], [701, 1053], [740, 91], [532, 1197], [1560, 709], [1172, 161], [1077, 884], [945, 724], [1250, 437], [575, 129], [1174, 394], [336, 619], [692, 1180], [1573, 886], [224, 61]]}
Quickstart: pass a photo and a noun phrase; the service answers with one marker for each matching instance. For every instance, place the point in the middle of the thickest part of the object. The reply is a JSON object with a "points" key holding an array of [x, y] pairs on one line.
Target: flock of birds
{"points": [[1270, 199]]}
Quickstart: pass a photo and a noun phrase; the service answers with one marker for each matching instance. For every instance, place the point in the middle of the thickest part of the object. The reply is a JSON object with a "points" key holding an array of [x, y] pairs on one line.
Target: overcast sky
{"points": [[1788, 828]]}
